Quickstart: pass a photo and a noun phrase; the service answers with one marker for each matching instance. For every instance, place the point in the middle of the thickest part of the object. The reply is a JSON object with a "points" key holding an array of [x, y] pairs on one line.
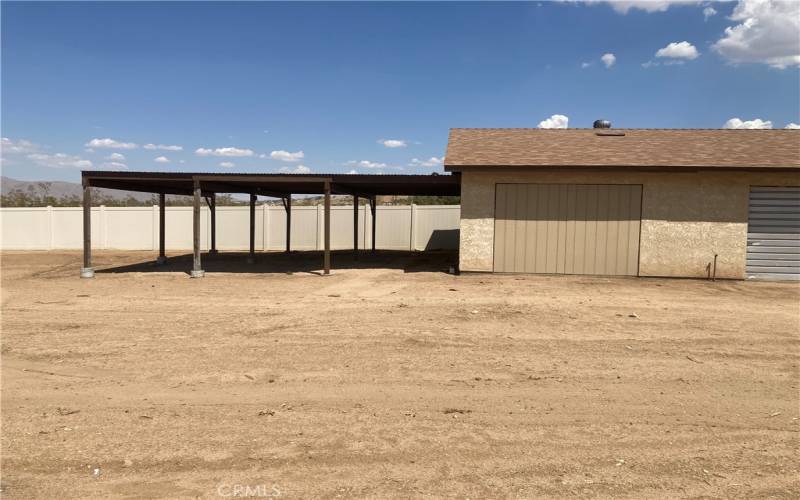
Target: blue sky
{"points": [[246, 87]]}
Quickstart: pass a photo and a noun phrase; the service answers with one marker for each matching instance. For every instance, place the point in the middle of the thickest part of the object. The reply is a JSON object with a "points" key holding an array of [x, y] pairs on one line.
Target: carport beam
{"points": [[197, 271], [162, 219], [355, 227], [86, 270], [327, 253], [251, 259]]}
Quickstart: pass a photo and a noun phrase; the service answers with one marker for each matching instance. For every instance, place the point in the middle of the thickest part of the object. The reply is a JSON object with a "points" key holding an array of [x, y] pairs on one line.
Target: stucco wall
{"points": [[686, 217]]}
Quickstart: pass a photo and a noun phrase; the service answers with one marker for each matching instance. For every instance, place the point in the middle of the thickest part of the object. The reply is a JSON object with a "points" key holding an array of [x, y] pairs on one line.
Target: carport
{"points": [[284, 186]]}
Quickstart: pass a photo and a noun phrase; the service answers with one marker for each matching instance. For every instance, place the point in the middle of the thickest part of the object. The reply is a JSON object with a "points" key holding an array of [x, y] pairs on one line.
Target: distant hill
{"points": [[65, 190]]}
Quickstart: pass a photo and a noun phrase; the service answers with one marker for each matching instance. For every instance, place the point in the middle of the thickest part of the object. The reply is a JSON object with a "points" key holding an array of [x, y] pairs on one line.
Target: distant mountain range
{"points": [[60, 189]]}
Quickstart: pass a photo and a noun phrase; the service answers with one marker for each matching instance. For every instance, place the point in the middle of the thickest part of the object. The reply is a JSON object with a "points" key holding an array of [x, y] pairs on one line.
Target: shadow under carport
{"points": [[299, 262]]}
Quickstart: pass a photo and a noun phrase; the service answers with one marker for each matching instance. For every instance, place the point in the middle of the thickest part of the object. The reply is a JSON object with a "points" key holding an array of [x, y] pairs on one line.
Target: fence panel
{"points": [[136, 228]]}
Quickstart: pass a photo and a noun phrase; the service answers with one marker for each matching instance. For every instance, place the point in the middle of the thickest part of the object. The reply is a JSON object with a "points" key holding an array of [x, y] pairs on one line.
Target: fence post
{"points": [[412, 244], [154, 233], [265, 227], [320, 224], [103, 228], [50, 227]]}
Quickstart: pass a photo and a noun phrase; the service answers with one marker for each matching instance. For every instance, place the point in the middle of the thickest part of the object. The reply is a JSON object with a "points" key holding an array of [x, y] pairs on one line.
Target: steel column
{"points": [[162, 222], [197, 270], [327, 252], [86, 270]]}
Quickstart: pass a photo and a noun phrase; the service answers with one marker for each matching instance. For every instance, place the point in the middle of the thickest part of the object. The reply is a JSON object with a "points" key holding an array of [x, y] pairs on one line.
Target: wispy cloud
{"points": [[747, 124], [115, 157], [287, 156], [229, 151], [60, 160], [227, 164], [20, 146], [114, 165], [161, 159], [608, 59], [366, 164], [163, 147], [393, 143], [433, 161], [299, 169], [109, 143]]}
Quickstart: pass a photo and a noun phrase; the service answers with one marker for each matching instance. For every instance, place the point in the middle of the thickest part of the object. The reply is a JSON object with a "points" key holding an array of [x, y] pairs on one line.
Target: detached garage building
{"points": [[682, 203]]}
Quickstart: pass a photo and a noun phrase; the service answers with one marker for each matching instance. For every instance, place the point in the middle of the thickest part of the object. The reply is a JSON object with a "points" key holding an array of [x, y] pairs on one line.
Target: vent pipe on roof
{"points": [[601, 124]]}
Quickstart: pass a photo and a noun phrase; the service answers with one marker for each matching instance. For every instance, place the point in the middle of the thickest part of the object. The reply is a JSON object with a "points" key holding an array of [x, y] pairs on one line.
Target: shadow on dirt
{"points": [[298, 262]]}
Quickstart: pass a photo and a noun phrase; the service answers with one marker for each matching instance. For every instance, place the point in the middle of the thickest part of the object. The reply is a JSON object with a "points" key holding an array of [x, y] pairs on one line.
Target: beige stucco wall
{"points": [[686, 217]]}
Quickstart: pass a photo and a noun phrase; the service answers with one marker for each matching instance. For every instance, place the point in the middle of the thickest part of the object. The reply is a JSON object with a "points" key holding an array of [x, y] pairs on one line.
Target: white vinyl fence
{"points": [[136, 228]]}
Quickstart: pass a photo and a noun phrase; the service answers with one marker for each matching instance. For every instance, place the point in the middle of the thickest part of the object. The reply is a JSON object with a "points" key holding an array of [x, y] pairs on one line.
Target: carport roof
{"points": [[639, 148], [277, 185]]}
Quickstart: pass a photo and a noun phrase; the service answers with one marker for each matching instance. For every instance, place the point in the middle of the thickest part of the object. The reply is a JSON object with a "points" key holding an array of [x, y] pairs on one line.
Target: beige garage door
{"points": [[567, 228]]}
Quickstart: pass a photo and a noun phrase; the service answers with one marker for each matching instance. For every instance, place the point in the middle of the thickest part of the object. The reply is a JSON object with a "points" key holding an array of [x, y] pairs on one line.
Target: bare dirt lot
{"points": [[391, 378]]}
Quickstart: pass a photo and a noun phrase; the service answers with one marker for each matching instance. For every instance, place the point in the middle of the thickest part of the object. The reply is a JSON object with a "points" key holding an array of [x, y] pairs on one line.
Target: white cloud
{"points": [[585, 65], [649, 64], [768, 32], [163, 147], [555, 121], [300, 169], [223, 152], [115, 157], [623, 6], [114, 165], [89, 150], [227, 164], [747, 124], [161, 159], [393, 143], [20, 146], [108, 143], [792, 126], [430, 162], [679, 50], [287, 156], [60, 160], [352, 171], [367, 164], [608, 59], [709, 12]]}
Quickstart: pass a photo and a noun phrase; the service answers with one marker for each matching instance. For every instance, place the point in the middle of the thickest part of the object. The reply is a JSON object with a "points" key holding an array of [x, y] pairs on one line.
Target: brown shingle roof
{"points": [[637, 148]]}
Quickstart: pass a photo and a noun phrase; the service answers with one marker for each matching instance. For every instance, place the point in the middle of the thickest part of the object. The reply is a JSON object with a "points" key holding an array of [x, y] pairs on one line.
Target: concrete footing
{"points": [[161, 260], [87, 272], [197, 274]]}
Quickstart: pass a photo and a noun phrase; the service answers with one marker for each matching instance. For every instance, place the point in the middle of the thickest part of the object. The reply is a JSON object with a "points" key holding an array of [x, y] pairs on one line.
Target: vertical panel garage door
{"points": [[773, 233], [567, 228]]}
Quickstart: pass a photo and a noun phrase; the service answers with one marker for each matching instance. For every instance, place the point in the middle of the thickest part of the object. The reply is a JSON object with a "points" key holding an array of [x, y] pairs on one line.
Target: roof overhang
{"points": [[275, 185]]}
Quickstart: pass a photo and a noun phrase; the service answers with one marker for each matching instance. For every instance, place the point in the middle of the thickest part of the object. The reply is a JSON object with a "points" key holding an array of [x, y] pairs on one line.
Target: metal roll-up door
{"points": [[567, 228], [773, 233]]}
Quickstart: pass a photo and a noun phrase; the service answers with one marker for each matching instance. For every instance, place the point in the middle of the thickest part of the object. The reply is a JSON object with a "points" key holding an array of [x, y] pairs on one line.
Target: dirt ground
{"points": [[391, 378]]}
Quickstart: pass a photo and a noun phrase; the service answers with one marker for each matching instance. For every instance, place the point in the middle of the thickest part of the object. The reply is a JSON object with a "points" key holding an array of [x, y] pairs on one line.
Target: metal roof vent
{"points": [[601, 124]]}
